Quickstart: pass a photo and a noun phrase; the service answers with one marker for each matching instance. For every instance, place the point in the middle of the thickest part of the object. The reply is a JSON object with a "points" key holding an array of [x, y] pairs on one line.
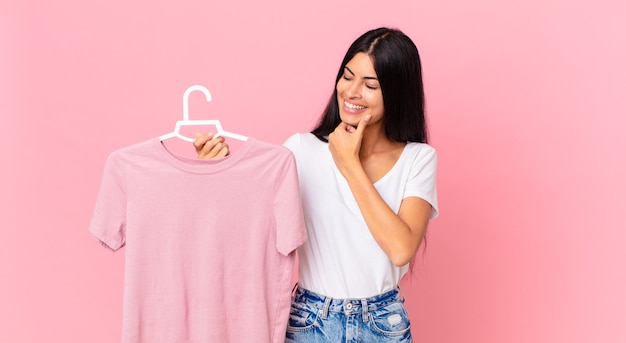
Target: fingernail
{"points": [[368, 117]]}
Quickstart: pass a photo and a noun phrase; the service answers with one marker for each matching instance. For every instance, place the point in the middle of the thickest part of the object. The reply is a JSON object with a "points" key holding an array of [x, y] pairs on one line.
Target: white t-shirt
{"points": [[341, 259]]}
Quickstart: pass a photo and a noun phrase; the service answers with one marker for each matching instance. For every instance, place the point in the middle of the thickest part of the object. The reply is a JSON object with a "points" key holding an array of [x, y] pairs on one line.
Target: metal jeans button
{"points": [[349, 306]]}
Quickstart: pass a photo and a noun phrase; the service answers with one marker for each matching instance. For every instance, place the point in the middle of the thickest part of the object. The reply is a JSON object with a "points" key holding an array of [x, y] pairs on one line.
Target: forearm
{"points": [[393, 234]]}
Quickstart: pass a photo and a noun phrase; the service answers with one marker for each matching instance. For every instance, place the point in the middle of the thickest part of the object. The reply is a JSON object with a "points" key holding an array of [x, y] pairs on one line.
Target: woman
{"points": [[367, 179]]}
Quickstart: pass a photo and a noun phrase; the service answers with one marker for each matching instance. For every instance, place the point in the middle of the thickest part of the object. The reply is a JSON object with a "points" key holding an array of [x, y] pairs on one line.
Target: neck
{"points": [[374, 141]]}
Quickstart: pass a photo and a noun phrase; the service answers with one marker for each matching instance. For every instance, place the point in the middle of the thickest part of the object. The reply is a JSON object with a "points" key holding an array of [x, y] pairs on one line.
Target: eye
{"points": [[373, 87], [348, 75]]}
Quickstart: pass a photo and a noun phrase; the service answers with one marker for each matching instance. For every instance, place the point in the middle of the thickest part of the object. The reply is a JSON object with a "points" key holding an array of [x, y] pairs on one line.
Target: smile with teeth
{"points": [[352, 106]]}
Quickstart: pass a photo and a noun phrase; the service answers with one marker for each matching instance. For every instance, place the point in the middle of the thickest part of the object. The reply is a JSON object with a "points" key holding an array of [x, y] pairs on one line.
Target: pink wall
{"points": [[527, 110]]}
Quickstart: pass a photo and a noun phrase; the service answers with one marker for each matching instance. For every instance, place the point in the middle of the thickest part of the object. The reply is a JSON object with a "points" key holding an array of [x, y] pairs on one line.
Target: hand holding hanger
{"points": [[209, 147], [187, 122]]}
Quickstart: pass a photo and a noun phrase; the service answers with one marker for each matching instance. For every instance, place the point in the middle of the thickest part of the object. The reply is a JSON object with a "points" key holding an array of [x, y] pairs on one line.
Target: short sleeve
{"points": [[108, 222], [422, 180], [293, 143], [290, 228]]}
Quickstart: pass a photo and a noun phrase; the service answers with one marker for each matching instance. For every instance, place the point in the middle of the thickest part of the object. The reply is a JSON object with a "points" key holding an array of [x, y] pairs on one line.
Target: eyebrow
{"points": [[365, 77]]}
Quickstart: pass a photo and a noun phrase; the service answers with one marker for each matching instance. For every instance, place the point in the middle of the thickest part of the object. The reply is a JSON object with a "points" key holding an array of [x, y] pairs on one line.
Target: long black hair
{"points": [[399, 71]]}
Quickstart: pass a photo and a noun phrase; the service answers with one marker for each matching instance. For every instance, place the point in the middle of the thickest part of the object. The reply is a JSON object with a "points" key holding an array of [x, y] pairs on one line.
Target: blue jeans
{"points": [[317, 318]]}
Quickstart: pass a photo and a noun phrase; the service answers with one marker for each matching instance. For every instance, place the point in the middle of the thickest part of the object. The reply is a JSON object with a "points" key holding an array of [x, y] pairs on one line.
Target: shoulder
{"points": [[263, 152], [130, 153], [299, 141], [421, 156], [268, 147], [421, 150], [421, 147]]}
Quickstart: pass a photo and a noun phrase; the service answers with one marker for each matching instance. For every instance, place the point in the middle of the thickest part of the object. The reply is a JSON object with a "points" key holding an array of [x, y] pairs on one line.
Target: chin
{"points": [[350, 120]]}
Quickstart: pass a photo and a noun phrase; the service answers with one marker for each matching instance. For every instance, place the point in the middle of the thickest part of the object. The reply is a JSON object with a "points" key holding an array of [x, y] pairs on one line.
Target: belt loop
{"points": [[294, 289], [325, 308], [365, 312], [401, 293]]}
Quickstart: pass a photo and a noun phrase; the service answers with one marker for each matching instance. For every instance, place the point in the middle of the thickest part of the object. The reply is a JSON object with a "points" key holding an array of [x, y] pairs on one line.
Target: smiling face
{"points": [[358, 92]]}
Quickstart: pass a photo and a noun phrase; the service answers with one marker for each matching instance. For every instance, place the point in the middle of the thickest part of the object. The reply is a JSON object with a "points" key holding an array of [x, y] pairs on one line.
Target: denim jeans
{"points": [[316, 318]]}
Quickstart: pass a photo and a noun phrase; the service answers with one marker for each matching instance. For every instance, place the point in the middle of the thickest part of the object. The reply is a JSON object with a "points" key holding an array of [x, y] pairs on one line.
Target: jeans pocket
{"points": [[390, 320], [302, 317]]}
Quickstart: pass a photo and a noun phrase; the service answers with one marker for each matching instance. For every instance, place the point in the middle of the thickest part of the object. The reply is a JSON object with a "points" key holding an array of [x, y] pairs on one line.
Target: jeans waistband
{"points": [[364, 305]]}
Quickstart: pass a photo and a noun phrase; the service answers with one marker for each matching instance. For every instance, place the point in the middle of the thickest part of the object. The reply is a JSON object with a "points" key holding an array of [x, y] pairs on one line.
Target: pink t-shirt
{"points": [[209, 244]]}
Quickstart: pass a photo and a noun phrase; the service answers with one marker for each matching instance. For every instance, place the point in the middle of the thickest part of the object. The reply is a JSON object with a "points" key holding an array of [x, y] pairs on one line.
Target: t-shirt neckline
{"points": [[199, 166]]}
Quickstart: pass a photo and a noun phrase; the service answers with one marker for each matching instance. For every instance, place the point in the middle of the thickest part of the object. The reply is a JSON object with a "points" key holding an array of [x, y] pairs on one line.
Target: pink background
{"points": [[526, 104]]}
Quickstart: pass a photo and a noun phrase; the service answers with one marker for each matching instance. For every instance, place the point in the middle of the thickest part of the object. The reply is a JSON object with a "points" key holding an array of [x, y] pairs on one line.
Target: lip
{"points": [[350, 107]]}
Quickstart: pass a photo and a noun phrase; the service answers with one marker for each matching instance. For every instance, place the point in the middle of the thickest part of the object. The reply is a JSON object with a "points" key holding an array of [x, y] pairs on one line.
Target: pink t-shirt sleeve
{"points": [[290, 229], [108, 222]]}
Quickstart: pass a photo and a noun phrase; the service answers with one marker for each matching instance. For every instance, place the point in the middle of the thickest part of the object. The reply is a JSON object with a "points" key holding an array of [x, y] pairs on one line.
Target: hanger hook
{"points": [[203, 89]]}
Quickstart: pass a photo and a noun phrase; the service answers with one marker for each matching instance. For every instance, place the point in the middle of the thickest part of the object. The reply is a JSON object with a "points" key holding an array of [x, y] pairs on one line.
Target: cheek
{"points": [[339, 87], [375, 100]]}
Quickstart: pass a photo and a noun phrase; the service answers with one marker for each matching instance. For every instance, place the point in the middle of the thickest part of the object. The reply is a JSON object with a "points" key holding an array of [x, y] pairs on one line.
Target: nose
{"points": [[353, 90]]}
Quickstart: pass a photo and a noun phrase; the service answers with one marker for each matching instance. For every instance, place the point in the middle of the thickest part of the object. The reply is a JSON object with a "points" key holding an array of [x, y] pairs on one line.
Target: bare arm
{"points": [[399, 235]]}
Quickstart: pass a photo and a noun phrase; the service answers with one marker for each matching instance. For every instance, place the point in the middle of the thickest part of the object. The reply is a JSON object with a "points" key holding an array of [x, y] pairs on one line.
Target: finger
{"points": [[207, 150], [363, 123], [340, 127], [201, 139], [215, 150], [223, 152], [331, 136]]}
